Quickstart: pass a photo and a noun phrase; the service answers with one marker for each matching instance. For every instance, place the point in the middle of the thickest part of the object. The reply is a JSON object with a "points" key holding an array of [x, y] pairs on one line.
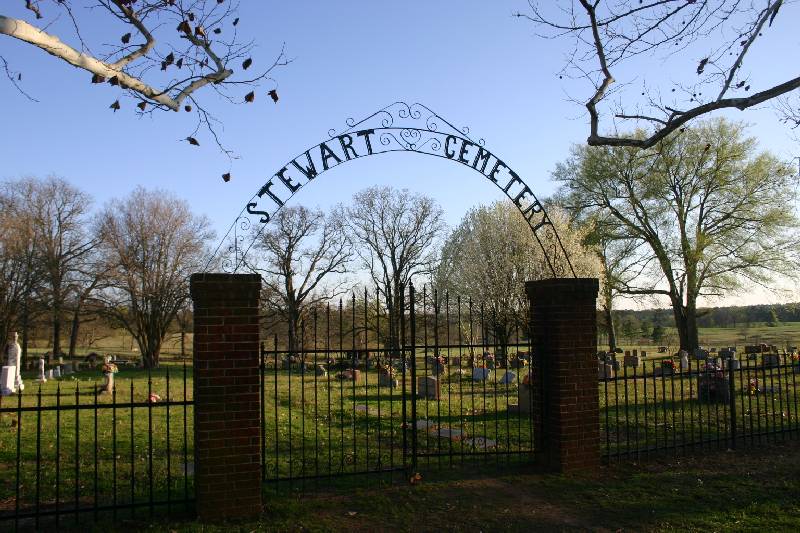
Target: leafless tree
{"points": [[168, 53], [396, 235], [151, 243], [59, 214], [90, 279], [295, 257], [20, 271], [714, 37]]}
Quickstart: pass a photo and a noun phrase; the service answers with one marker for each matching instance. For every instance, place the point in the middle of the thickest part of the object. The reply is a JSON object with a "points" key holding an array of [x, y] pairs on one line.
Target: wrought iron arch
{"points": [[399, 127]]}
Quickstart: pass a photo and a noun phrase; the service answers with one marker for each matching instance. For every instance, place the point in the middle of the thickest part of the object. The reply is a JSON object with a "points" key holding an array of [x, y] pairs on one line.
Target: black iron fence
{"points": [[69, 452], [664, 406], [355, 399]]}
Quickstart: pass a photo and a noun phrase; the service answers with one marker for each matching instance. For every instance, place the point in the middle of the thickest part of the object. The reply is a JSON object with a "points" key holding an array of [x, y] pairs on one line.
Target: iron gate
{"points": [[362, 395]]}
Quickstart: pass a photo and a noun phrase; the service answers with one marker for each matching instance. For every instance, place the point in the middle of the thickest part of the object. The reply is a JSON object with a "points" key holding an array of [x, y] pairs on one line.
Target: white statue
{"points": [[13, 354]]}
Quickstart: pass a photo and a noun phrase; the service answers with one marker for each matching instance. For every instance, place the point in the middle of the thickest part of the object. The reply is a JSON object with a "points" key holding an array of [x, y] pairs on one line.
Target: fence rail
{"points": [[67, 450], [655, 408]]}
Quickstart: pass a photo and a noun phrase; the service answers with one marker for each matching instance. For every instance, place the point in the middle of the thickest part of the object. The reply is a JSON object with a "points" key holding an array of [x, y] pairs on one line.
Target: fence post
{"points": [[732, 400], [413, 369], [566, 411], [227, 414]]}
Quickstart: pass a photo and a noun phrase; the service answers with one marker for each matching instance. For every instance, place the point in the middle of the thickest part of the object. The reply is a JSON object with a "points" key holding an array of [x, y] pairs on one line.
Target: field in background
{"points": [[783, 335]]}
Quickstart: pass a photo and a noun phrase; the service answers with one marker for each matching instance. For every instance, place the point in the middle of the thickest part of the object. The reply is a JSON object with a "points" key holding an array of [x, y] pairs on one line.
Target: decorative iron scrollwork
{"points": [[399, 127]]}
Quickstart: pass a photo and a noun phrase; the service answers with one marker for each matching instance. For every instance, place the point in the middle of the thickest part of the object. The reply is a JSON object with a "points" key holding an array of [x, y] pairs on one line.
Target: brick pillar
{"points": [[227, 415], [566, 413]]}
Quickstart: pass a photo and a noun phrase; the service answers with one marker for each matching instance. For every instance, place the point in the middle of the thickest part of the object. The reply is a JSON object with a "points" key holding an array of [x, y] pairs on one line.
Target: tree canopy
{"points": [[715, 215]]}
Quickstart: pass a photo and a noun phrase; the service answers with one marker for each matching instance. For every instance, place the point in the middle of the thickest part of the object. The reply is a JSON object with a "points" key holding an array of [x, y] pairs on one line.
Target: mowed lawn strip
{"points": [[756, 489]]}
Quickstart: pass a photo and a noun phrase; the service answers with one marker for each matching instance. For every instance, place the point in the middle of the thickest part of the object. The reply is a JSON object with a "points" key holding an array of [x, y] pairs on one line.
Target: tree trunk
{"points": [[73, 335], [25, 326], [686, 324], [293, 318], [183, 342], [612, 334], [56, 334]]}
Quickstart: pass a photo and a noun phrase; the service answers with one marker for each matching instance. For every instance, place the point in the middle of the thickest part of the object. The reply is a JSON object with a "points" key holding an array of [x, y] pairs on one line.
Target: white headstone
{"points": [[49, 373], [57, 372], [7, 380]]}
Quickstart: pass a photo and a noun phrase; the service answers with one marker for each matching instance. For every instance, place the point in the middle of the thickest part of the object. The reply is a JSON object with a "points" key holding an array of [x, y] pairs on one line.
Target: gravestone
{"points": [[733, 363], [353, 374], [67, 369], [438, 367], [57, 372], [108, 385], [7, 377], [605, 371], [518, 363], [320, 370], [481, 374], [662, 349], [508, 378], [700, 354], [635, 353], [455, 361], [771, 360], [632, 360], [644, 354], [387, 380], [684, 357], [713, 387], [49, 373], [428, 387], [42, 378]]}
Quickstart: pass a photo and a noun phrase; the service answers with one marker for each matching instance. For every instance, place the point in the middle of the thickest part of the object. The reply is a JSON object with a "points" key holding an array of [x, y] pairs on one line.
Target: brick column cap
{"points": [[213, 287], [567, 287]]}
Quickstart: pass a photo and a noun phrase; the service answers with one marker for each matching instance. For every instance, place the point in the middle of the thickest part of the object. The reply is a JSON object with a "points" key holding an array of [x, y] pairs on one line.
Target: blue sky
{"points": [[470, 61]]}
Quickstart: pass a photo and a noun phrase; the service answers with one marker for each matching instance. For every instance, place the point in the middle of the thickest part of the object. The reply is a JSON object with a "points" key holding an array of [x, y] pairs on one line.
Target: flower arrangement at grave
{"points": [[110, 368], [668, 364], [752, 387], [154, 398], [386, 370]]}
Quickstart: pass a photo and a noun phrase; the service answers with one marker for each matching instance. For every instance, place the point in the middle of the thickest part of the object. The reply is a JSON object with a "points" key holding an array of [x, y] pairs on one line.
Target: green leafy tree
{"points": [[708, 208], [657, 335]]}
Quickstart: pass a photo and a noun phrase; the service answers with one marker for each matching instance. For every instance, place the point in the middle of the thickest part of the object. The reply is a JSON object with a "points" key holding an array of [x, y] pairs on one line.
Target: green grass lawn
{"points": [[319, 425], [752, 490]]}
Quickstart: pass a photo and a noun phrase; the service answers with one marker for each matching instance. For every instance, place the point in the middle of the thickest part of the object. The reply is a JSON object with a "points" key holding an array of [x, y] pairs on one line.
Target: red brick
{"points": [[227, 379]]}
